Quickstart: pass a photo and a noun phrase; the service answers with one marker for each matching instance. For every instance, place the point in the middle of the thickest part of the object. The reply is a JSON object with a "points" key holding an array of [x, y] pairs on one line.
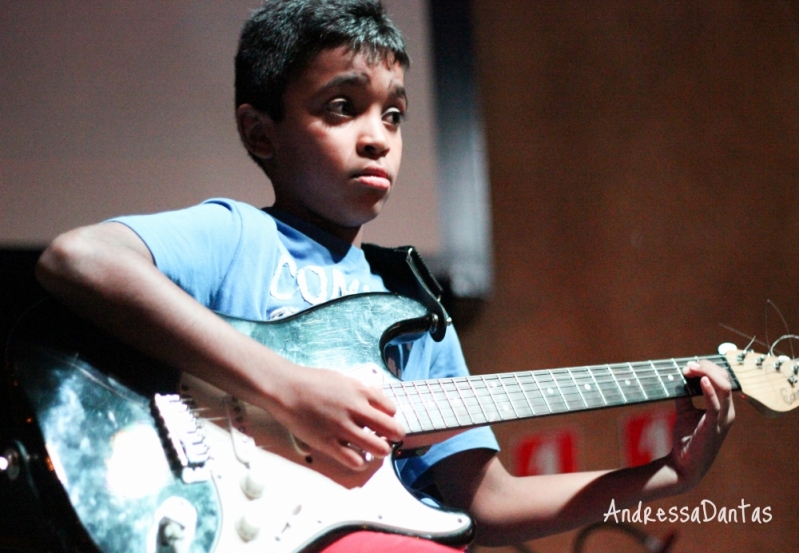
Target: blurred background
{"points": [[630, 185]]}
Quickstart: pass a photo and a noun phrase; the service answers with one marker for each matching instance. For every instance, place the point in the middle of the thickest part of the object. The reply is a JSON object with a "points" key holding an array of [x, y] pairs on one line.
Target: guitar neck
{"points": [[425, 406]]}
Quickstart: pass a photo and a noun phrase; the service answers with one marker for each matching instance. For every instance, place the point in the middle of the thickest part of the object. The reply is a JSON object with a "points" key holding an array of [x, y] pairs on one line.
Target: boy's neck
{"points": [[350, 235]]}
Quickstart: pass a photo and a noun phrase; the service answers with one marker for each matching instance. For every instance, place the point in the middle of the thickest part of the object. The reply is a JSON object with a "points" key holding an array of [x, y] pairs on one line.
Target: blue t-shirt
{"points": [[253, 264]]}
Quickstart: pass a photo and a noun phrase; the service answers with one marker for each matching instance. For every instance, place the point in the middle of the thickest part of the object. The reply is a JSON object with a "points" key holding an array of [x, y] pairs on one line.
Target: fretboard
{"points": [[450, 403]]}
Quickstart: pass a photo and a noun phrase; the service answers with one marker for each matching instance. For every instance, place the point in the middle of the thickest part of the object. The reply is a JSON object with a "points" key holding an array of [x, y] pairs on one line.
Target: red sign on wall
{"points": [[545, 453], [647, 436]]}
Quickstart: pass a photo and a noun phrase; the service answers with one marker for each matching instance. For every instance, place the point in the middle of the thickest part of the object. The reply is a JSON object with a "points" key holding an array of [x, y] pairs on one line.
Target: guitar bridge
{"points": [[182, 437]]}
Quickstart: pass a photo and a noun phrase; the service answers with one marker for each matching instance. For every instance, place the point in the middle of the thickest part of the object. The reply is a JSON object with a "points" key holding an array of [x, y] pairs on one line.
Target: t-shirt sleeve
{"points": [[445, 360], [194, 247]]}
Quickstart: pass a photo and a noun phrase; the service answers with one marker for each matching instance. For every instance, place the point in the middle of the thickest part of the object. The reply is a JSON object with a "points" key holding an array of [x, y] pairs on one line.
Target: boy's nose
{"points": [[373, 140]]}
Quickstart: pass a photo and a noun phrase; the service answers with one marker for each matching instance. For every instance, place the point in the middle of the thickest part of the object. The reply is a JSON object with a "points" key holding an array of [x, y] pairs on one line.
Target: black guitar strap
{"points": [[405, 273]]}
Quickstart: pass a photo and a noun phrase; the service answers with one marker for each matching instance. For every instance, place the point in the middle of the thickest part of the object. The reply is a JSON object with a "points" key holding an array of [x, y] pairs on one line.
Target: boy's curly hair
{"points": [[282, 37]]}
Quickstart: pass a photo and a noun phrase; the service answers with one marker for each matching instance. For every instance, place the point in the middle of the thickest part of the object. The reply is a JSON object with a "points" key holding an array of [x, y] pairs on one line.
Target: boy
{"points": [[319, 105]]}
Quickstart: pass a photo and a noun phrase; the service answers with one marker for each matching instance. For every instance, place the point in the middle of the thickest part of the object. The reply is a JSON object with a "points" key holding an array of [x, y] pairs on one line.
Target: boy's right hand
{"points": [[336, 415]]}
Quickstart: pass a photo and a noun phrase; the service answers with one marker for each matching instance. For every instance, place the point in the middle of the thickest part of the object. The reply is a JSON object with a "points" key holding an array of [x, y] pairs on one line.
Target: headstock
{"points": [[770, 382]]}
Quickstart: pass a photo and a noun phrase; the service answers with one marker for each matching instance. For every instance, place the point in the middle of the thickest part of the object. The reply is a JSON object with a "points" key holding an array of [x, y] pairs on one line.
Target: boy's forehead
{"points": [[341, 66]]}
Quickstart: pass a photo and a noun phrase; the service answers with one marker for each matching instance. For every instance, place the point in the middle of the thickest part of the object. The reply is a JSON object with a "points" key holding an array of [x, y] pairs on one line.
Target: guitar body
{"points": [[138, 468], [101, 444], [111, 449]]}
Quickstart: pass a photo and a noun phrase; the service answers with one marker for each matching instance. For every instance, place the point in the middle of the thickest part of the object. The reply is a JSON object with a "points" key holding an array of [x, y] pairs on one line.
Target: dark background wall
{"points": [[644, 165]]}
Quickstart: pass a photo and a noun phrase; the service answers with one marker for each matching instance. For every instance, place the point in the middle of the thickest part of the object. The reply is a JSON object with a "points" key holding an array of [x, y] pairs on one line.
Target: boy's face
{"points": [[336, 154]]}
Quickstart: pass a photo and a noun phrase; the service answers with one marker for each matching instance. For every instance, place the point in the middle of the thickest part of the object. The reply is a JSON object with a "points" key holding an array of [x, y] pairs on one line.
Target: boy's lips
{"points": [[375, 177]]}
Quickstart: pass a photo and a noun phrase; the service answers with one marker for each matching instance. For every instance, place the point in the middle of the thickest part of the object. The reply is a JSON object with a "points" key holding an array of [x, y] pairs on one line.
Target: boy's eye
{"points": [[394, 117], [341, 107]]}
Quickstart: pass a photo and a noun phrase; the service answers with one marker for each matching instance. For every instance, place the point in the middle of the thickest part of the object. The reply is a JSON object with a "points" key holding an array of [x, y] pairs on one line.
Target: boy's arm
{"points": [[511, 509], [106, 273]]}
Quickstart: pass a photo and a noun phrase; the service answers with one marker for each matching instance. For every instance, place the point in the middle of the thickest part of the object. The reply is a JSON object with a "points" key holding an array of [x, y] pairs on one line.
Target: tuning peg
{"points": [[726, 348], [780, 361]]}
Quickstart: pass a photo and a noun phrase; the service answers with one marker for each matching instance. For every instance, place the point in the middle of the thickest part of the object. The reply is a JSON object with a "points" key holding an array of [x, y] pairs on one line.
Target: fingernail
{"points": [[690, 366]]}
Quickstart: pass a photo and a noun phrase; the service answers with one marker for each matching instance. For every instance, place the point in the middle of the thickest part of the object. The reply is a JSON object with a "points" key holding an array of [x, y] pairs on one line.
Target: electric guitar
{"points": [[142, 468]]}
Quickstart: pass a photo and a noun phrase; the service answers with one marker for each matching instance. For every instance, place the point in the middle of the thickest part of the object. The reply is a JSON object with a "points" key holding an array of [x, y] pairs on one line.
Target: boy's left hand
{"points": [[698, 434]]}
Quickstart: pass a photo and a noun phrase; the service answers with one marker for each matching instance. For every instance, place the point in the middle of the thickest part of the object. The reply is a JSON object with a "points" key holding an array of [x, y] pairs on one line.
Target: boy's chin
{"points": [[364, 214], [346, 225], [356, 222]]}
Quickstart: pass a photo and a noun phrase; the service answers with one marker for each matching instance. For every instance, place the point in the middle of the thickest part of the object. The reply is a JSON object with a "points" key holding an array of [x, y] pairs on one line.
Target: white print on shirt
{"points": [[305, 290], [313, 283]]}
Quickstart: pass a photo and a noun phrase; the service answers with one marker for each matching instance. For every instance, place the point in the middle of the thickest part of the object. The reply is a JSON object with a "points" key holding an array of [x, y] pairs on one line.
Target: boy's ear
{"points": [[256, 130]]}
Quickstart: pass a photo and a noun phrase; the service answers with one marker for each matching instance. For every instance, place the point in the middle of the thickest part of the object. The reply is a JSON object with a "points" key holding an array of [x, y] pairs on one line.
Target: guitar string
{"points": [[648, 377]]}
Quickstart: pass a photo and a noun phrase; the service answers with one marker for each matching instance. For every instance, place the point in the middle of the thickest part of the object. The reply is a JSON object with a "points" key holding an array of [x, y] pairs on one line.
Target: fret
{"points": [[567, 389], [469, 397], [676, 379], [542, 392], [513, 390], [665, 380], [660, 380], [533, 393], [413, 408], [631, 388], [662, 391], [449, 403], [587, 387], [598, 387], [547, 386], [618, 384], [423, 411], [648, 381], [527, 403], [412, 424], [572, 385], [435, 395], [472, 400], [423, 392], [572, 395], [477, 399], [608, 385], [413, 402], [461, 402], [490, 408], [392, 392], [496, 388]]}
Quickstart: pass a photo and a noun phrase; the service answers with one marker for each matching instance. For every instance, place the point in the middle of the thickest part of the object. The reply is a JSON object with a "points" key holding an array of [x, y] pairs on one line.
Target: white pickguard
{"points": [[301, 502]]}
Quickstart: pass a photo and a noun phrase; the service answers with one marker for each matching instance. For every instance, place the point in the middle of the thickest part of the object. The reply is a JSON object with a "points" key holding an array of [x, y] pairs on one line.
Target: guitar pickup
{"points": [[239, 426]]}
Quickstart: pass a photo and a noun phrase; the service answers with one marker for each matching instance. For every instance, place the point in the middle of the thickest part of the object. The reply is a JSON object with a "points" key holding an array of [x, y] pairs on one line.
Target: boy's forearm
{"points": [[546, 505], [106, 274], [510, 509]]}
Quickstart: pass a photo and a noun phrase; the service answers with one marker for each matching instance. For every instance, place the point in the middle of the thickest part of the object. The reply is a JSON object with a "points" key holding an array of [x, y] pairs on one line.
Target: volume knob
{"points": [[248, 525], [253, 483]]}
